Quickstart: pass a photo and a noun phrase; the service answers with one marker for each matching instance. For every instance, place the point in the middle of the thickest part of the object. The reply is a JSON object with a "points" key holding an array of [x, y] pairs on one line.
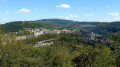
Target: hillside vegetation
{"points": [[71, 24], [106, 29], [65, 52], [102, 28], [21, 25], [68, 50]]}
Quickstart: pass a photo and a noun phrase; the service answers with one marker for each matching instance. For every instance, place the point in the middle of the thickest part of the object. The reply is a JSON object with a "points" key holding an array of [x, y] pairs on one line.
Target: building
{"points": [[21, 37], [38, 32]]}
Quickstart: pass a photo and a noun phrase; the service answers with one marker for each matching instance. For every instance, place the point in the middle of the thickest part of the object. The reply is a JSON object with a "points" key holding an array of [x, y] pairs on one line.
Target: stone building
{"points": [[21, 37]]}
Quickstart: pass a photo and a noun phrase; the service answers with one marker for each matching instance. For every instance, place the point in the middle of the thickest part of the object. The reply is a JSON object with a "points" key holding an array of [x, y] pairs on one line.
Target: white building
{"points": [[21, 38], [38, 33]]}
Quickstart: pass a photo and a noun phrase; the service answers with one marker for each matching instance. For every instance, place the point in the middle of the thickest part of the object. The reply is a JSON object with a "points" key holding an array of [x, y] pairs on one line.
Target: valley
{"points": [[59, 33], [44, 44]]}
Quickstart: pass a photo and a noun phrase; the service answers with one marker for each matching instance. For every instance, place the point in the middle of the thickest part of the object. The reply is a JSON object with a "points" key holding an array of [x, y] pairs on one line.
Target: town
{"points": [[90, 36], [36, 32]]}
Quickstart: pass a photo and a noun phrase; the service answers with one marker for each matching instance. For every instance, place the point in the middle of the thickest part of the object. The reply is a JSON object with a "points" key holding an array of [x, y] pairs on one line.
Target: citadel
{"points": [[90, 36]]}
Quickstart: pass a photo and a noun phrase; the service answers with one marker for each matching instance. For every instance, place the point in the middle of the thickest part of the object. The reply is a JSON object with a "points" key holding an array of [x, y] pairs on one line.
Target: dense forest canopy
{"points": [[69, 23], [68, 50], [102, 28], [65, 52], [106, 29], [21, 25], [59, 33]]}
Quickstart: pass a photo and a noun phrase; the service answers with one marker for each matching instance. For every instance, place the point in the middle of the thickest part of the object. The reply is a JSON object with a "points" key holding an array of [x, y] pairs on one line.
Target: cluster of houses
{"points": [[88, 36], [41, 31], [36, 32]]}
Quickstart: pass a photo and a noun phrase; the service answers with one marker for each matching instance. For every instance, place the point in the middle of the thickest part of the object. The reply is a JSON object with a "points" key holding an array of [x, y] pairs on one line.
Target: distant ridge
{"points": [[70, 23], [106, 29]]}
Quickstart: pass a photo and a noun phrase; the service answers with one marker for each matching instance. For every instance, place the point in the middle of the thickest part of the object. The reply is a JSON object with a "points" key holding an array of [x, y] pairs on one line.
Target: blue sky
{"points": [[78, 10]]}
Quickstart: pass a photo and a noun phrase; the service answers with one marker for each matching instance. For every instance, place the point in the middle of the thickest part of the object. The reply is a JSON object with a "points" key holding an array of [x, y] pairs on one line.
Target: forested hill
{"points": [[71, 24], [21, 25], [106, 29], [103, 28]]}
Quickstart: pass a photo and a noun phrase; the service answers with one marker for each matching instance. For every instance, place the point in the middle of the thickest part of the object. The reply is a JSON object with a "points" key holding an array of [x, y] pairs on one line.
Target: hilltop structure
{"points": [[36, 32], [41, 31], [87, 35]]}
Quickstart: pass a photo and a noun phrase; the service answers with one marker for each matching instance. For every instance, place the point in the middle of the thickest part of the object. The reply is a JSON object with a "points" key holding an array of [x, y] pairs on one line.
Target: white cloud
{"points": [[112, 19], [114, 14], [107, 18], [67, 17], [64, 6], [60, 16], [117, 18], [4, 19], [84, 19], [89, 14], [73, 16], [24, 10]]}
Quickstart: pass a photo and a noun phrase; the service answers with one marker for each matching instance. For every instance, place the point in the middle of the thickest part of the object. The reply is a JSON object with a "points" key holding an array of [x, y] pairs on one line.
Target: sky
{"points": [[78, 10]]}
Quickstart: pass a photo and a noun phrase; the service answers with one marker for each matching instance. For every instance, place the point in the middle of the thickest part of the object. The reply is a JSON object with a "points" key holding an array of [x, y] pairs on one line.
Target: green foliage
{"points": [[87, 56], [41, 38], [21, 25], [69, 24], [106, 29], [67, 51], [115, 46], [115, 37]]}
